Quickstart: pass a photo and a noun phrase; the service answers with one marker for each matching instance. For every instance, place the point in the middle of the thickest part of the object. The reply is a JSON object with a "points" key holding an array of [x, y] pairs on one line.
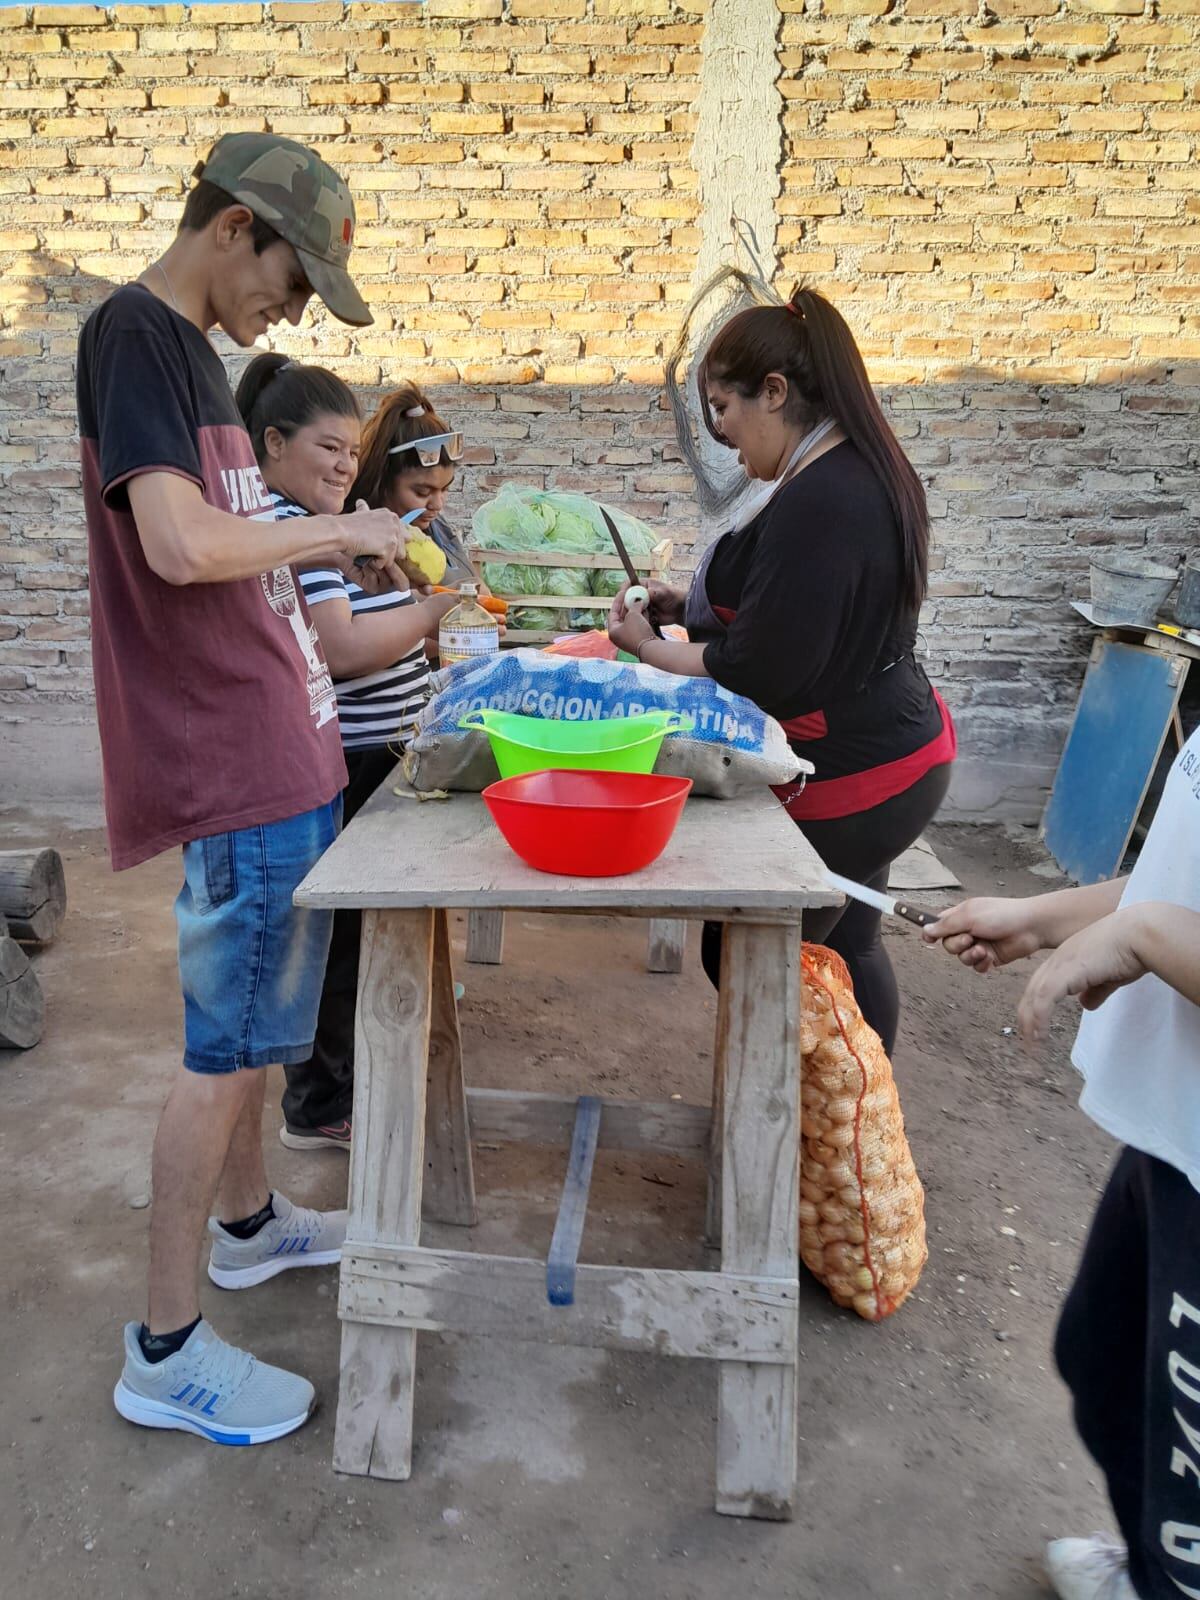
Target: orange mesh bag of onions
{"points": [[862, 1207]]}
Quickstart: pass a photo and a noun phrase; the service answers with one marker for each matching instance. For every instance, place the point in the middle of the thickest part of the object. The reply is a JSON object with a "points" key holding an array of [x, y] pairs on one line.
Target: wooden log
{"points": [[22, 1009], [33, 894]]}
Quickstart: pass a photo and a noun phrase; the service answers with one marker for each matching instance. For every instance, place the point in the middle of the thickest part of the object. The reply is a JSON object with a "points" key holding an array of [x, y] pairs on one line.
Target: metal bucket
{"points": [[1128, 588], [1187, 605]]}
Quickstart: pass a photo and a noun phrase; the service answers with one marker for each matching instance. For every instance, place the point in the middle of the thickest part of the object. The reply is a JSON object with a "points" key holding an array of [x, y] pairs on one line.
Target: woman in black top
{"points": [[809, 606]]}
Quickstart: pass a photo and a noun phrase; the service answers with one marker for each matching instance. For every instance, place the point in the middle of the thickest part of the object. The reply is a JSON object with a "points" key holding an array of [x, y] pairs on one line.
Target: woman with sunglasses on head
{"points": [[408, 462], [305, 425], [809, 607]]}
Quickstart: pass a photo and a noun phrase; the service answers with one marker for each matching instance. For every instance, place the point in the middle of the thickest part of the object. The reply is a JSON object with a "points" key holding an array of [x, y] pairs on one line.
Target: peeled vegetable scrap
{"points": [[862, 1207]]}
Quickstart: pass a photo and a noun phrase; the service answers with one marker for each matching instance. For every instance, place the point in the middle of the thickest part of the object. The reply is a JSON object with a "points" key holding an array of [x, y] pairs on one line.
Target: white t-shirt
{"points": [[1140, 1052]]}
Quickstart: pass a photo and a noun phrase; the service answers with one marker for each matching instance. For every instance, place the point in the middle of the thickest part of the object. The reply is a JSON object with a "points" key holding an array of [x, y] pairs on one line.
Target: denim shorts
{"points": [[252, 964]]}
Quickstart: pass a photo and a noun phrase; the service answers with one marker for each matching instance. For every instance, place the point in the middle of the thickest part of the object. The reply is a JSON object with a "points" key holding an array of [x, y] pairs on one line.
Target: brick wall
{"points": [[1000, 194]]}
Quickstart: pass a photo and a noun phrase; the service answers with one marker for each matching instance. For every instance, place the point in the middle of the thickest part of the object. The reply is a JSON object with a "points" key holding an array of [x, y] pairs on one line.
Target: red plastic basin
{"points": [[587, 824]]}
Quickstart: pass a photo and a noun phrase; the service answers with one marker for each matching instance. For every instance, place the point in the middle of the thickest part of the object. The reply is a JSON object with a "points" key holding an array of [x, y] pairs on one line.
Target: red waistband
{"points": [[841, 797]]}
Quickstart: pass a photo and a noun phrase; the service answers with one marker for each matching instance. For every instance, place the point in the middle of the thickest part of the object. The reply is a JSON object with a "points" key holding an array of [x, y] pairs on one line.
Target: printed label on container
{"points": [[467, 643]]}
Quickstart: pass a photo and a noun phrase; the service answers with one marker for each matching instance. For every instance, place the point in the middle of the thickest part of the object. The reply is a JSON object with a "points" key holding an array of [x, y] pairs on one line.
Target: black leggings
{"points": [[863, 847]]}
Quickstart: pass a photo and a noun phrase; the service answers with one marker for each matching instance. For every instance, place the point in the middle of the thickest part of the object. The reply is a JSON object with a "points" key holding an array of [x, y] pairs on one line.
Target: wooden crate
{"points": [[656, 565]]}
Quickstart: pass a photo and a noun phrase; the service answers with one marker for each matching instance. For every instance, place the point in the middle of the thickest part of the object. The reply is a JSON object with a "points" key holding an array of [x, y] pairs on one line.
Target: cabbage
{"points": [[536, 519]]}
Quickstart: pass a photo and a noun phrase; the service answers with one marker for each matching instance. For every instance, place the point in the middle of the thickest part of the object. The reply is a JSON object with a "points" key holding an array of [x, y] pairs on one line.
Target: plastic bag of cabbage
{"points": [[524, 519]]}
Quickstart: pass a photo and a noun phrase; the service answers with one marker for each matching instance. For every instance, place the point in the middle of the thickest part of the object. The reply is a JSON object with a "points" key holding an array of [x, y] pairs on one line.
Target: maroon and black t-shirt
{"points": [[215, 705]]}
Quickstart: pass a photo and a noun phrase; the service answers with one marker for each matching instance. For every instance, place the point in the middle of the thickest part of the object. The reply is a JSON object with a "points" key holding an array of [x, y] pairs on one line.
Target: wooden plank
{"points": [[715, 1150], [373, 1434], [728, 858], [485, 938], [706, 1315], [504, 1116], [758, 1039], [563, 1256], [666, 945], [449, 1174], [33, 894], [655, 563]]}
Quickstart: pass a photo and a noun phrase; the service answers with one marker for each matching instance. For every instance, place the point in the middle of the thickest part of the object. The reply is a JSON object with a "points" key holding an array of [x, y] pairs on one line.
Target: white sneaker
{"points": [[212, 1389], [294, 1237], [1089, 1569]]}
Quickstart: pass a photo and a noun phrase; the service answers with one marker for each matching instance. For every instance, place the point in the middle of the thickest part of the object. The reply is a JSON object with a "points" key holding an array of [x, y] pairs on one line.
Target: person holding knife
{"points": [[808, 606]]}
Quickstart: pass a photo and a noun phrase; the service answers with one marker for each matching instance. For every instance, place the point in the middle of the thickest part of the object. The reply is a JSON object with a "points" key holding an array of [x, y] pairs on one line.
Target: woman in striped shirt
{"points": [[305, 425]]}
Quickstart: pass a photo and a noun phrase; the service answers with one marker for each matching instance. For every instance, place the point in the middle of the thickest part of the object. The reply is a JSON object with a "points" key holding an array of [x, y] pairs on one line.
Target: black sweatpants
{"points": [[1128, 1347], [320, 1091], [863, 847]]}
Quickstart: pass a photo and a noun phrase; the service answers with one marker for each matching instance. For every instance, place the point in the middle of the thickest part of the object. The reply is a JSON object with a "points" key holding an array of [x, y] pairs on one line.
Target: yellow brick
{"points": [[898, 205], [414, 155], [108, 39], [42, 44], [40, 99], [511, 151], [338, 39], [914, 261], [472, 10], [584, 266], [76, 127], [264, 98], [1105, 121], [1159, 152], [1008, 120], [466, 122], [506, 94], [549, 122], [344, 94], [886, 89], [186, 95], [458, 63], [327, 125], [117, 211], [467, 177], [1068, 150], [591, 151], [233, 14], [557, 63], [152, 67], [1147, 93], [82, 184], [588, 93], [583, 210], [639, 63], [548, 8], [177, 39], [508, 36], [385, 63], [72, 66], [303, 66], [69, 16], [905, 148], [424, 93], [159, 15], [310, 11], [17, 239]]}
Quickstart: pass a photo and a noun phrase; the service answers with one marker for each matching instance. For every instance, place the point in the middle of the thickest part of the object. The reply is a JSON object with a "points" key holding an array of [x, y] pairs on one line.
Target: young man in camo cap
{"points": [[219, 733]]}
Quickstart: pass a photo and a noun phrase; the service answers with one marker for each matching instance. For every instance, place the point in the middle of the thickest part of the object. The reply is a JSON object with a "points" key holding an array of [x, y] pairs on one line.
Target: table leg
{"points": [[449, 1174], [758, 1039], [667, 942], [485, 937], [374, 1420]]}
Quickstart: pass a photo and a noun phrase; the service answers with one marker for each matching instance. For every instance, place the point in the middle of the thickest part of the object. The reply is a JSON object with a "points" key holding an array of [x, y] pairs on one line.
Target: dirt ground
{"points": [[936, 1452]]}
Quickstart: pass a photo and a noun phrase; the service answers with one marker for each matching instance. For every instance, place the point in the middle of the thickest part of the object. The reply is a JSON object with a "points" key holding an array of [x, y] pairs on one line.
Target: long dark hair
{"points": [[808, 342], [277, 393], [403, 416]]}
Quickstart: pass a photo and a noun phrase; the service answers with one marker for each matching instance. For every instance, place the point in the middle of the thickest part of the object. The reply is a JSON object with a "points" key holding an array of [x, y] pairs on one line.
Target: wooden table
{"points": [[407, 864]]}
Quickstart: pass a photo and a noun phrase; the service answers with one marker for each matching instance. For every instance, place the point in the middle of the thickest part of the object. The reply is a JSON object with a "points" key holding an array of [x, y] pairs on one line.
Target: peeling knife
{"points": [[631, 602], [886, 903]]}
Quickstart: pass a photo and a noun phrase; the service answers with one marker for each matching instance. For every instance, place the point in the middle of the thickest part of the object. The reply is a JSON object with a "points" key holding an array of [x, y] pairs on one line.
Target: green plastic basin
{"points": [[536, 744]]}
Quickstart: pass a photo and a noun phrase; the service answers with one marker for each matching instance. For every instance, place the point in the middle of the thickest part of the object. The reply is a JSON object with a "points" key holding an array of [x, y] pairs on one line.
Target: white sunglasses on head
{"points": [[431, 449]]}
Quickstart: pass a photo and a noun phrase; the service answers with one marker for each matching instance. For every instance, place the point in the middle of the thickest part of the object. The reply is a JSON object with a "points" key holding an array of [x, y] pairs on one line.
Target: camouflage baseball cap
{"points": [[303, 199]]}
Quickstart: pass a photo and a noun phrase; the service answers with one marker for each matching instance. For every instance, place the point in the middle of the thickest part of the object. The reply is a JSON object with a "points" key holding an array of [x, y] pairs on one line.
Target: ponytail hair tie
{"points": [[415, 411]]}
